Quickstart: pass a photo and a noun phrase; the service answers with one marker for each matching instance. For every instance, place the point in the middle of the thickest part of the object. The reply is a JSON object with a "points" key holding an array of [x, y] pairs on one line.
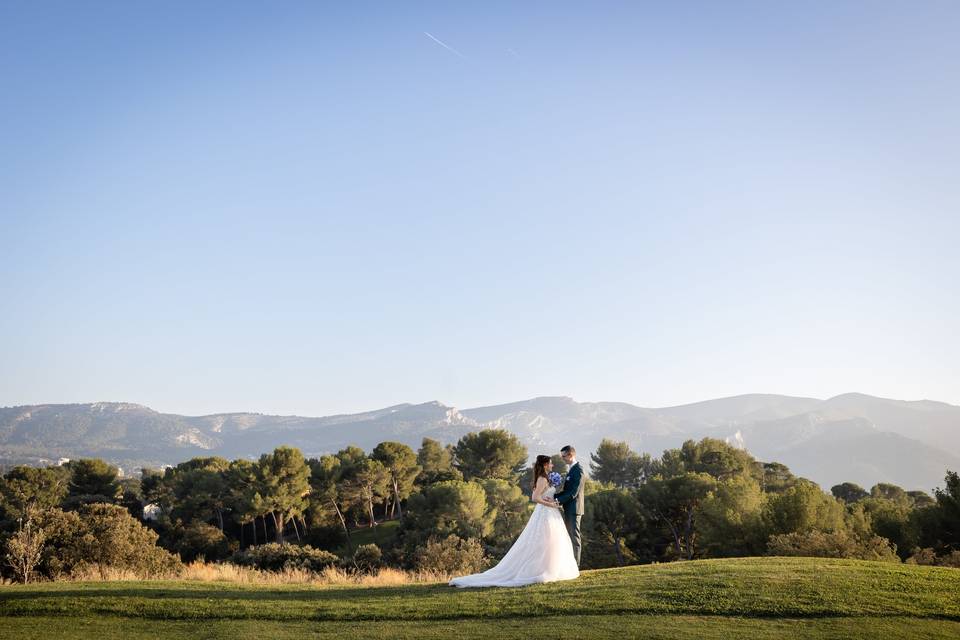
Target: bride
{"points": [[542, 553]]}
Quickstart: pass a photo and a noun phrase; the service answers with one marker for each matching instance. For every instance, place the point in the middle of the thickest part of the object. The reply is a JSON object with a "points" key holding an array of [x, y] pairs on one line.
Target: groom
{"points": [[571, 498]]}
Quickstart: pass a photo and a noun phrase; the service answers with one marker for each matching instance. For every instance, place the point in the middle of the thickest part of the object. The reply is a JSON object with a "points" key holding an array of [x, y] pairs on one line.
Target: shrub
{"points": [[928, 556], [450, 555], [113, 539], [102, 538], [199, 539], [24, 550], [281, 557], [837, 544], [951, 559], [368, 557], [62, 552], [925, 556]]}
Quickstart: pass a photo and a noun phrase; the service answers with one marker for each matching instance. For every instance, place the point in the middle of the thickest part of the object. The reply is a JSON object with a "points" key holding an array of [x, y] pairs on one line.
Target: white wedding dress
{"points": [[542, 553]]}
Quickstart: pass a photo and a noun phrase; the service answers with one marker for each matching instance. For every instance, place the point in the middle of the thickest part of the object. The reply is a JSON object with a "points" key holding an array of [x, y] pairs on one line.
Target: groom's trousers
{"points": [[572, 520]]}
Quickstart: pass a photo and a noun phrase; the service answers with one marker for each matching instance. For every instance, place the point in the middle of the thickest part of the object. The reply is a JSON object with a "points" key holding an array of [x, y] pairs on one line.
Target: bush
{"points": [[928, 556], [837, 544], [368, 557], [278, 557], [113, 539], [62, 552], [451, 555], [24, 549], [951, 559], [102, 538], [201, 540]]}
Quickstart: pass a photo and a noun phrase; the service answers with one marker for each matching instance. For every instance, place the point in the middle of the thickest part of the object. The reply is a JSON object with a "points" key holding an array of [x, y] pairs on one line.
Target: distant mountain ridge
{"points": [[850, 437]]}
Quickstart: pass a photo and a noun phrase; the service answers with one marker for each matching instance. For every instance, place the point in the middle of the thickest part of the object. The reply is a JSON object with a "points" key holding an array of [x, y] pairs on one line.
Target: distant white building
{"points": [[151, 512], [62, 461]]}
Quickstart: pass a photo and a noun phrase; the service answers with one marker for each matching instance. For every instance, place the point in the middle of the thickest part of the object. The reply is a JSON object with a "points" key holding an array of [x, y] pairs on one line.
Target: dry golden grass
{"points": [[225, 572]]}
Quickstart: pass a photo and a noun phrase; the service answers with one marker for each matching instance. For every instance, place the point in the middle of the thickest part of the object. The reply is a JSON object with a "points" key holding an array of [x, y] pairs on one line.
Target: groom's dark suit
{"points": [[571, 499]]}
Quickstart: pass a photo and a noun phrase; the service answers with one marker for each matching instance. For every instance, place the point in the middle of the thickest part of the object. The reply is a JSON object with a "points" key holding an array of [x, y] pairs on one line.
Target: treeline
{"points": [[709, 499], [452, 508]]}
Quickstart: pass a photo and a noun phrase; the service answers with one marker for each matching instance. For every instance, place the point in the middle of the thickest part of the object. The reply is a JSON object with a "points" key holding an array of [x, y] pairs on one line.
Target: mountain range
{"points": [[851, 437]]}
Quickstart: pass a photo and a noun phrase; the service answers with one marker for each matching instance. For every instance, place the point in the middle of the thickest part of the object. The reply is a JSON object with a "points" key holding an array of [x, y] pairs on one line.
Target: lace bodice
{"points": [[549, 493]]}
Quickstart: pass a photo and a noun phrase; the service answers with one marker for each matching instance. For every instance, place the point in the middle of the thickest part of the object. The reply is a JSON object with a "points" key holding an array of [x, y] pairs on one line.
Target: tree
{"points": [[285, 482], [24, 490], [731, 518], [350, 461], [614, 516], [93, 480], [243, 482], [367, 483], [24, 550], [131, 496], [156, 487], [718, 459], [449, 507], [849, 492], [112, 539], [889, 491], [436, 462], [327, 491], [776, 478], [615, 463], [64, 532], [921, 499], [491, 453], [200, 540], [891, 518], [670, 465], [944, 525], [200, 490], [401, 463], [559, 465], [674, 502], [510, 510], [803, 508], [350, 458]]}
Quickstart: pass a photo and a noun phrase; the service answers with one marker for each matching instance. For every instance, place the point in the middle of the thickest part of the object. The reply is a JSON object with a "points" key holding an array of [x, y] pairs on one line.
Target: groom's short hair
{"points": [[569, 449]]}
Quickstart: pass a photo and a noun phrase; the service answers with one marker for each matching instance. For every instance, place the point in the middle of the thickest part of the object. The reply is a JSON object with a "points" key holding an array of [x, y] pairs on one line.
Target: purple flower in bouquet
{"points": [[554, 478]]}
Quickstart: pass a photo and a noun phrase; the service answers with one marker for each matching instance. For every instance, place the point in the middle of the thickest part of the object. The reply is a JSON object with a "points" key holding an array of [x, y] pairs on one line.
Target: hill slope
{"points": [[762, 597]]}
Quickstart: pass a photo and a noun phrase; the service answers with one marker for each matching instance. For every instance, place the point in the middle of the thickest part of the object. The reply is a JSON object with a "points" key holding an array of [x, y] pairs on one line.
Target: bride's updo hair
{"points": [[540, 468]]}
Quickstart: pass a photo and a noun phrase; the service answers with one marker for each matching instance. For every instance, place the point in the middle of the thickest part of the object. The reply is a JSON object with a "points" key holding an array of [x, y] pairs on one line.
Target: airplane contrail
{"points": [[443, 44]]}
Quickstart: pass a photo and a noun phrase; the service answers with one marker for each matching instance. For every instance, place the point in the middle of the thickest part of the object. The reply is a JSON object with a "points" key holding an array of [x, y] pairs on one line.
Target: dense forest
{"points": [[450, 509]]}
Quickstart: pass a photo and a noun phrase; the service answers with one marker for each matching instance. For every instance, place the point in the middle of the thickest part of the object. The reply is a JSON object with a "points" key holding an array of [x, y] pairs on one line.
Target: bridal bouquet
{"points": [[554, 479]]}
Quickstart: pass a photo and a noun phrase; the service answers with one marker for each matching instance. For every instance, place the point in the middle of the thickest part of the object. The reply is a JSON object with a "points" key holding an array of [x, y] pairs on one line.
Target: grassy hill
{"points": [[759, 597]]}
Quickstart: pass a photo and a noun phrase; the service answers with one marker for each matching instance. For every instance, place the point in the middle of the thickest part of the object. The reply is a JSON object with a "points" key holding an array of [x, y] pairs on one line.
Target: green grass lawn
{"points": [[755, 597], [377, 535]]}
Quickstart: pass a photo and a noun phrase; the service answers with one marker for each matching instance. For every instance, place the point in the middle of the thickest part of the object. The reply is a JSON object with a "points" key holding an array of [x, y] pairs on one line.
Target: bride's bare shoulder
{"points": [[541, 482]]}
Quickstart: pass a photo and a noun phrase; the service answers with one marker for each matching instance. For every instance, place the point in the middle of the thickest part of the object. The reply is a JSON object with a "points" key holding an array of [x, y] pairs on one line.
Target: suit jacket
{"points": [[571, 498]]}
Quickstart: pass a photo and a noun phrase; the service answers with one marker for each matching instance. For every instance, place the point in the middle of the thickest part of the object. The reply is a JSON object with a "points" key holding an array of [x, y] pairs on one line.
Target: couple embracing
{"points": [[548, 548]]}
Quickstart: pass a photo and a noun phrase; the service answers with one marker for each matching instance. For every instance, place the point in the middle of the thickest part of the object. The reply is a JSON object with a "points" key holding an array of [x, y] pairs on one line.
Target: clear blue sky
{"points": [[309, 208]]}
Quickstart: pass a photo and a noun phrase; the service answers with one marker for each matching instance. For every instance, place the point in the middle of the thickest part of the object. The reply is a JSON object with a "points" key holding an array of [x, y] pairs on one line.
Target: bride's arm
{"points": [[537, 495]]}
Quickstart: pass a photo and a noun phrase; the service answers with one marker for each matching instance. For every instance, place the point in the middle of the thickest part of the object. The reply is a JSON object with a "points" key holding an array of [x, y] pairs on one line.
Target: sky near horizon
{"points": [[313, 208]]}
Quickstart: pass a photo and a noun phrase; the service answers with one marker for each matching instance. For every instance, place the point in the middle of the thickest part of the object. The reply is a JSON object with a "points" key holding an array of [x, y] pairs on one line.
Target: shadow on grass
{"points": [[159, 593], [400, 604]]}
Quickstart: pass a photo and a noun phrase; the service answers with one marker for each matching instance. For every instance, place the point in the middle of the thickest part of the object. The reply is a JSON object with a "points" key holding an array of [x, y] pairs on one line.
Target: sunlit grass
{"points": [[756, 597]]}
